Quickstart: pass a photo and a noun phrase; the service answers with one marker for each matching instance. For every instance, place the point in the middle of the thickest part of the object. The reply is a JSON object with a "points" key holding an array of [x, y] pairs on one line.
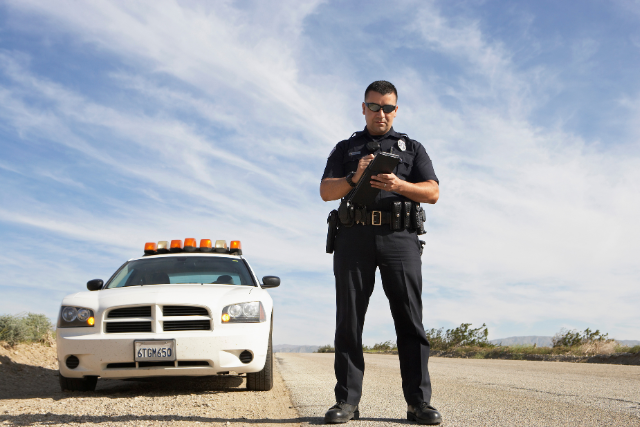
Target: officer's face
{"points": [[379, 123]]}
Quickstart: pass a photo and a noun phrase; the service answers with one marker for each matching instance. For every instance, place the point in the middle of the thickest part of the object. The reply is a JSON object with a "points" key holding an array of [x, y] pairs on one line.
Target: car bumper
{"points": [[198, 353]]}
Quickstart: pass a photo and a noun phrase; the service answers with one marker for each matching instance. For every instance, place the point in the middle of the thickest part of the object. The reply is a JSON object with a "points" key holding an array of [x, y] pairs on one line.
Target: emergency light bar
{"points": [[176, 246]]}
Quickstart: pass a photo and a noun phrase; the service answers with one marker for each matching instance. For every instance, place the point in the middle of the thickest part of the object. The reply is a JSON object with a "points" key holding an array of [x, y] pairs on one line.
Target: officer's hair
{"points": [[383, 87]]}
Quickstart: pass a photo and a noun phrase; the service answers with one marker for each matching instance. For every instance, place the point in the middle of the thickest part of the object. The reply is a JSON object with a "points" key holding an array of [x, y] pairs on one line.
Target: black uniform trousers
{"points": [[358, 251]]}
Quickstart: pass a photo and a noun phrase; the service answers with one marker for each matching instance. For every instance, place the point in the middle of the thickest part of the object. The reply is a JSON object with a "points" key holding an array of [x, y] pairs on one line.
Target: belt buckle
{"points": [[373, 218]]}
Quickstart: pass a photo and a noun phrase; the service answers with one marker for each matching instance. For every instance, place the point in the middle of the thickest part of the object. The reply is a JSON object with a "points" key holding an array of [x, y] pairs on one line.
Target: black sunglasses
{"points": [[376, 107]]}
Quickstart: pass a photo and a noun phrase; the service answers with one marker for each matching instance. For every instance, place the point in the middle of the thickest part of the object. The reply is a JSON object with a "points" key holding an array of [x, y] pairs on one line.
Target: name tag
{"points": [[353, 153]]}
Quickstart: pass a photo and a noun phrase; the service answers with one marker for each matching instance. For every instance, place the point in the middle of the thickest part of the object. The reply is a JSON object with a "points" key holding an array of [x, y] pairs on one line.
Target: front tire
{"points": [[77, 384], [263, 380]]}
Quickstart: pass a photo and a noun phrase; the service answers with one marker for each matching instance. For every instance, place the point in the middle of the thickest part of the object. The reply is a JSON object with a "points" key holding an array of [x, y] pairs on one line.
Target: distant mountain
{"points": [[530, 340], [288, 348], [542, 341]]}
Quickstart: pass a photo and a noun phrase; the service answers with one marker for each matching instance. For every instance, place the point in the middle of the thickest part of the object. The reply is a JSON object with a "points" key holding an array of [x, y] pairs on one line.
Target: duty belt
{"points": [[404, 215]]}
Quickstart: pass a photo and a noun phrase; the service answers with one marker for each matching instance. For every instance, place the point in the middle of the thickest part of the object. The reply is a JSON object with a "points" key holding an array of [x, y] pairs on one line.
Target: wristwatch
{"points": [[349, 179]]}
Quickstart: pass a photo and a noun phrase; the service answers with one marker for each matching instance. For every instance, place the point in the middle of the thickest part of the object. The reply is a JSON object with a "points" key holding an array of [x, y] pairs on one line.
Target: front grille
{"points": [[184, 310], [186, 325], [143, 311], [124, 327]]}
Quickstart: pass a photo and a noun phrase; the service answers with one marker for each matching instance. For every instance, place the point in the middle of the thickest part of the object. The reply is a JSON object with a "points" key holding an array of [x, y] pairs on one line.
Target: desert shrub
{"points": [[573, 338], [634, 349], [462, 336], [326, 349], [25, 328], [384, 346], [437, 339]]}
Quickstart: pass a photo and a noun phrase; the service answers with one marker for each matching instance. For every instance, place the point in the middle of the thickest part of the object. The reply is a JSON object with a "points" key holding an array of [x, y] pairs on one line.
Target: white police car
{"points": [[177, 311]]}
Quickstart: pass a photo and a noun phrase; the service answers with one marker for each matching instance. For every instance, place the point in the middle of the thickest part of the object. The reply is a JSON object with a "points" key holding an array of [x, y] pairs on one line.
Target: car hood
{"points": [[163, 294]]}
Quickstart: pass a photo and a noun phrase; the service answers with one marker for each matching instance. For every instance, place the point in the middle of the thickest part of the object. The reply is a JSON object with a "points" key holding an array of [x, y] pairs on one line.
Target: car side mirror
{"points": [[270, 281], [95, 284]]}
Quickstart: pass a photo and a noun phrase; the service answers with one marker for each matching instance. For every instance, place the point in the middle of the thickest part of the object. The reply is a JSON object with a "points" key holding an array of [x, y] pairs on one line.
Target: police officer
{"points": [[361, 248]]}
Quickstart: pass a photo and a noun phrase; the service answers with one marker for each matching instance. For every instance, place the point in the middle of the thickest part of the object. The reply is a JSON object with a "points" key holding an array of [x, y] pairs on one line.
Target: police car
{"points": [[180, 310]]}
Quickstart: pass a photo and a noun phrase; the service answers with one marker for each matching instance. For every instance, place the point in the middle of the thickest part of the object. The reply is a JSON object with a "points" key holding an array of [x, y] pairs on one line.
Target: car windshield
{"points": [[191, 269]]}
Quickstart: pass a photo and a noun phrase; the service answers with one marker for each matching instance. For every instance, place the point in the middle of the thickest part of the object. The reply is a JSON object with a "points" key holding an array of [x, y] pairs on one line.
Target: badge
{"points": [[401, 145]]}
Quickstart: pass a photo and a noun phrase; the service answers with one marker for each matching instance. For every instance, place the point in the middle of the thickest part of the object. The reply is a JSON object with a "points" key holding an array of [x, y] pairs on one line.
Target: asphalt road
{"points": [[471, 392]]}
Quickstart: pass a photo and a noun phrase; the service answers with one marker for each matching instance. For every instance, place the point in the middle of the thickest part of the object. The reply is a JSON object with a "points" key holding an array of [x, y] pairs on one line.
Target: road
{"points": [[471, 392]]}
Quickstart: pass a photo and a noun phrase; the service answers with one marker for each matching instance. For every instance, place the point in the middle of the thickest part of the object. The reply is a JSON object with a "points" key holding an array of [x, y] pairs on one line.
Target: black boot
{"points": [[424, 414], [341, 412]]}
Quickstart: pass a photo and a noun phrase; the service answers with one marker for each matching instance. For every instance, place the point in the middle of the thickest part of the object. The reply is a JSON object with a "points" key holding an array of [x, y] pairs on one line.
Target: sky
{"points": [[127, 122]]}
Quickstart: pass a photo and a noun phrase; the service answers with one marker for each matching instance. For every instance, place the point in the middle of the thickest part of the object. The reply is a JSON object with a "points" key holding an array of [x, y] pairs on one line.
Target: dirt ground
{"points": [[30, 396]]}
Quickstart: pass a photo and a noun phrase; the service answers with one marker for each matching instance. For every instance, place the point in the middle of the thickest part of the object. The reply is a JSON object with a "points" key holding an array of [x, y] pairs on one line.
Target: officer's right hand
{"points": [[362, 165]]}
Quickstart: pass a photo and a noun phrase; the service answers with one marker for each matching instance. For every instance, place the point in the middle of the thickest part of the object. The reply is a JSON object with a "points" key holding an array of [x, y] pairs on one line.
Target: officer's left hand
{"points": [[386, 182]]}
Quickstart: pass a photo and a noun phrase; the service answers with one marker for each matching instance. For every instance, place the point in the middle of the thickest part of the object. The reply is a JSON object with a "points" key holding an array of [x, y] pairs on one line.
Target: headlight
{"points": [[75, 317], [246, 312]]}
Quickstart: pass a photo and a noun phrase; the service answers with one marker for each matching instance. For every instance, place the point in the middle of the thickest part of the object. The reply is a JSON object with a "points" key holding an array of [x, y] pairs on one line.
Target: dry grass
{"points": [[598, 347]]}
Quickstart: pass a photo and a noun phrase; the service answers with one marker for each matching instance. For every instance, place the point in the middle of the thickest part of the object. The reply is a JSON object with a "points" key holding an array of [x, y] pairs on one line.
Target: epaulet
{"points": [[358, 133], [403, 135]]}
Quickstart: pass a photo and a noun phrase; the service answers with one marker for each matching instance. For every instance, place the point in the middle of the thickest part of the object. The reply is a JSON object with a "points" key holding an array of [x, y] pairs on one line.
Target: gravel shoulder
{"points": [[30, 395]]}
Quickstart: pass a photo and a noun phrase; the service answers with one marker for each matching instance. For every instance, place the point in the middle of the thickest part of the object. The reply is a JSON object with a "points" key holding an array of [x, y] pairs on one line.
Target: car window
{"points": [[170, 270]]}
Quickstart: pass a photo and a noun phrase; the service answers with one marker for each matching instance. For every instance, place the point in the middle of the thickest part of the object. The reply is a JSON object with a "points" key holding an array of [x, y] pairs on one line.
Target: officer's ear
{"points": [[363, 107]]}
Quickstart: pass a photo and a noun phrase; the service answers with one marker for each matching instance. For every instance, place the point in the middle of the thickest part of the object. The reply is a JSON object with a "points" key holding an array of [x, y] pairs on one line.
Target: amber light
{"points": [[91, 321], [225, 318], [205, 245], [150, 248], [235, 248], [176, 246], [189, 244]]}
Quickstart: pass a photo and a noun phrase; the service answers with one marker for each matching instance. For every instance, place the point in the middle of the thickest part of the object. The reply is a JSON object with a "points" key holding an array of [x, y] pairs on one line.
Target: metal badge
{"points": [[401, 145]]}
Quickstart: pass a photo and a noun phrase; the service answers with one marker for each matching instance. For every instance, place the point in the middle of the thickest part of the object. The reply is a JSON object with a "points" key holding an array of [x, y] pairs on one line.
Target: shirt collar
{"points": [[381, 137]]}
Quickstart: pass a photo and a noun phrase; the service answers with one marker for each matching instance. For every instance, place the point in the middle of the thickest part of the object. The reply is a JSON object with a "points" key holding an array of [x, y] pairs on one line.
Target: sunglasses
{"points": [[376, 107]]}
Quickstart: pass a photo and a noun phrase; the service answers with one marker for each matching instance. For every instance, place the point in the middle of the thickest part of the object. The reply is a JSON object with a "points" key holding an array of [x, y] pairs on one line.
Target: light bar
{"points": [[220, 246], [150, 248], [190, 244]]}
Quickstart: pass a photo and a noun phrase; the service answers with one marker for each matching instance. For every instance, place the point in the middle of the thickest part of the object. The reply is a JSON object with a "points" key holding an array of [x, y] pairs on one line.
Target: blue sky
{"points": [[127, 122]]}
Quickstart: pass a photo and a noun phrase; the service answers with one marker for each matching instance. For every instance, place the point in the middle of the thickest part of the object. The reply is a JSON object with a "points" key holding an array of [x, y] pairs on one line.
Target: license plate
{"points": [[155, 351]]}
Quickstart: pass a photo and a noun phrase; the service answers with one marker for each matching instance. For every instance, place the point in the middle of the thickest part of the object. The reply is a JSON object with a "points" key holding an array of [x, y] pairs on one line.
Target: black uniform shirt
{"points": [[415, 165]]}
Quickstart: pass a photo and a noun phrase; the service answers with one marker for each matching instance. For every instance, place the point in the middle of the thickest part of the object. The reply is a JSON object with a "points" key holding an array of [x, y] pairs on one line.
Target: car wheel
{"points": [[77, 384], [263, 380]]}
